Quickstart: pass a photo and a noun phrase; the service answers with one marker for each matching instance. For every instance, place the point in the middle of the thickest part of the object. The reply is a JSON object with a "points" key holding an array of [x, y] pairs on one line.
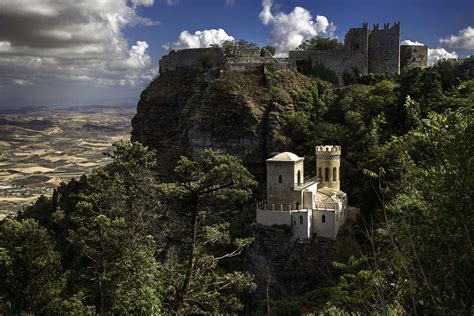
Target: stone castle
{"points": [[376, 51], [310, 207]]}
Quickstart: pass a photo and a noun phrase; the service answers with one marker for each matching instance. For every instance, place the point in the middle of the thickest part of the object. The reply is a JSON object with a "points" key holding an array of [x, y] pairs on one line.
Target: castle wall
{"points": [[335, 60], [413, 56], [299, 221], [384, 49], [269, 217], [301, 224], [328, 228], [251, 58], [191, 57]]}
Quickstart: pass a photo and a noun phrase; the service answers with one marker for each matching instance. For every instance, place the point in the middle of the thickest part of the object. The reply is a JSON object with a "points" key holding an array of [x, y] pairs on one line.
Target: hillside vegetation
{"points": [[130, 239]]}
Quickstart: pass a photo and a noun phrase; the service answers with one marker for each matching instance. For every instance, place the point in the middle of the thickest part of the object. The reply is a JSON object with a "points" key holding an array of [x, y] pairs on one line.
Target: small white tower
{"points": [[328, 164], [284, 172]]}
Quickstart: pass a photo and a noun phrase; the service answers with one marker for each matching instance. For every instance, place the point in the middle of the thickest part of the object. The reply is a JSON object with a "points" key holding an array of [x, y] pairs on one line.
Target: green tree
{"points": [[231, 47], [31, 280], [270, 49], [113, 234], [201, 197], [321, 43]]}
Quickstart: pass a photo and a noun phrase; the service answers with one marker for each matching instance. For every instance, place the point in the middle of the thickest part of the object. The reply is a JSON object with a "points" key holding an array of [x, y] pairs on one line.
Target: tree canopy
{"points": [[321, 43]]}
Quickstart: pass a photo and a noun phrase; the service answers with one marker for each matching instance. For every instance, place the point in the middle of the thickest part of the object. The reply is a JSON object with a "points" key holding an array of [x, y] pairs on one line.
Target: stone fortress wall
{"points": [[365, 51], [413, 56], [384, 49], [191, 57], [336, 60], [252, 58]]}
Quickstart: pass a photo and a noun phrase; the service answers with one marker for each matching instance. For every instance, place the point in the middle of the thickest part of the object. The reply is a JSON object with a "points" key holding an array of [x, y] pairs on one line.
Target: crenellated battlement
{"points": [[328, 150]]}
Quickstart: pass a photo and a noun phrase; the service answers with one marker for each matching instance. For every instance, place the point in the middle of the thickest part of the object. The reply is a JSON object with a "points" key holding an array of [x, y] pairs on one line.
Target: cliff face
{"points": [[184, 111], [283, 268]]}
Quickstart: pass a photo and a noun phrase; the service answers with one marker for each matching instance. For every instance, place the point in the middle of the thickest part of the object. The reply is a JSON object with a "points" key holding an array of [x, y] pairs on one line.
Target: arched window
{"points": [[323, 218], [320, 173], [326, 174], [301, 219], [334, 174], [280, 179], [299, 177]]}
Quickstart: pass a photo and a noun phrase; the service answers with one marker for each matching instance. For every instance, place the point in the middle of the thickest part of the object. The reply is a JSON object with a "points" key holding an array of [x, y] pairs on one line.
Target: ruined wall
{"points": [[413, 56], [356, 41], [209, 57], [384, 49], [251, 58], [335, 60]]}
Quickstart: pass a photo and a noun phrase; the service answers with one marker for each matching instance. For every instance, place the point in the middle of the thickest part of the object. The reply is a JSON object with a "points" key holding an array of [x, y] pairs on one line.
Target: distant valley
{"points": [[41, 148]]}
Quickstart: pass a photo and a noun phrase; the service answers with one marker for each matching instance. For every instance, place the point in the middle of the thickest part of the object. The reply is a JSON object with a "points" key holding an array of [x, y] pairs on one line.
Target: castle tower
{"points": [[413, 56], [356, 41], [328, 164], [284, 172], [384, 49]]}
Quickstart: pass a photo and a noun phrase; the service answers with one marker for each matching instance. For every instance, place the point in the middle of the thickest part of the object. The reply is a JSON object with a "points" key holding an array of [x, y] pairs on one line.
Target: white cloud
{"points": [[145, 3], [409, 42], [464, 39], [50, 42], [5, 46], [289, 30], [230, 2], [171, 2], [199, 39], [437, 54]]}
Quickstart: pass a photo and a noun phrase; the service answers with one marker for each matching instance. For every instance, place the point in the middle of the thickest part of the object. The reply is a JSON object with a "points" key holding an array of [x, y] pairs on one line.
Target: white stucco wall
{"points": [[269, 218], [326, 229], [301, 224]]}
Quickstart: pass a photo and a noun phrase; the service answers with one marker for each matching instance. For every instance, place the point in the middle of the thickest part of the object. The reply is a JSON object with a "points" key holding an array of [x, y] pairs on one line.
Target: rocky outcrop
{"points": [[285, 268], [185, 111]]}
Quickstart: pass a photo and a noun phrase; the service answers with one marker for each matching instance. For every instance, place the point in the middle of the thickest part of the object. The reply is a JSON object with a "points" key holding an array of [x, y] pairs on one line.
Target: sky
{"points": [[104, 52]]}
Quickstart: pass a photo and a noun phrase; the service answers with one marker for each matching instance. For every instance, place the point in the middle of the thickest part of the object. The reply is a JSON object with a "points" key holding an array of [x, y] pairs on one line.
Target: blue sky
{"points": [[425, 21], [63, 53]]}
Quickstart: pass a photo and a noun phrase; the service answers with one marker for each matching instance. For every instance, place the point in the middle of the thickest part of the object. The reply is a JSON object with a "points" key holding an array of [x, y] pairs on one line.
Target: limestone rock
{"points": [[185, 111]]}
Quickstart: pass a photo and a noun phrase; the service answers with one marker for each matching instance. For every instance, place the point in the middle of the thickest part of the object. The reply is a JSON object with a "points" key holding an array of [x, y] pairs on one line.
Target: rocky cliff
{"points": [[283, 268], [242, 113]]}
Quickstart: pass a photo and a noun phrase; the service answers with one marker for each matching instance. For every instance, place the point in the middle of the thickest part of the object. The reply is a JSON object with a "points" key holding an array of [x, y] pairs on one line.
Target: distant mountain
{"points": [[102, 128], [24, 110], [38, 125], [94, 108]]}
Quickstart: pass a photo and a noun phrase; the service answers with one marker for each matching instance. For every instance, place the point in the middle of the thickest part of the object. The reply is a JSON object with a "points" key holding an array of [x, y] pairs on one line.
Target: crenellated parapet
{"points": [[328, 150]]}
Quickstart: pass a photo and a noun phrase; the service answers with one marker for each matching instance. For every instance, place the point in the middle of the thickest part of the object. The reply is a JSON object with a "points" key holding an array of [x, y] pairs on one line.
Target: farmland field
{"points": [[39, 150]]}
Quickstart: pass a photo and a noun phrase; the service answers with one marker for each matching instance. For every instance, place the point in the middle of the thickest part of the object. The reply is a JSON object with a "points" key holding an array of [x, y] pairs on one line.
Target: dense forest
{"points": [[122, 240]]}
